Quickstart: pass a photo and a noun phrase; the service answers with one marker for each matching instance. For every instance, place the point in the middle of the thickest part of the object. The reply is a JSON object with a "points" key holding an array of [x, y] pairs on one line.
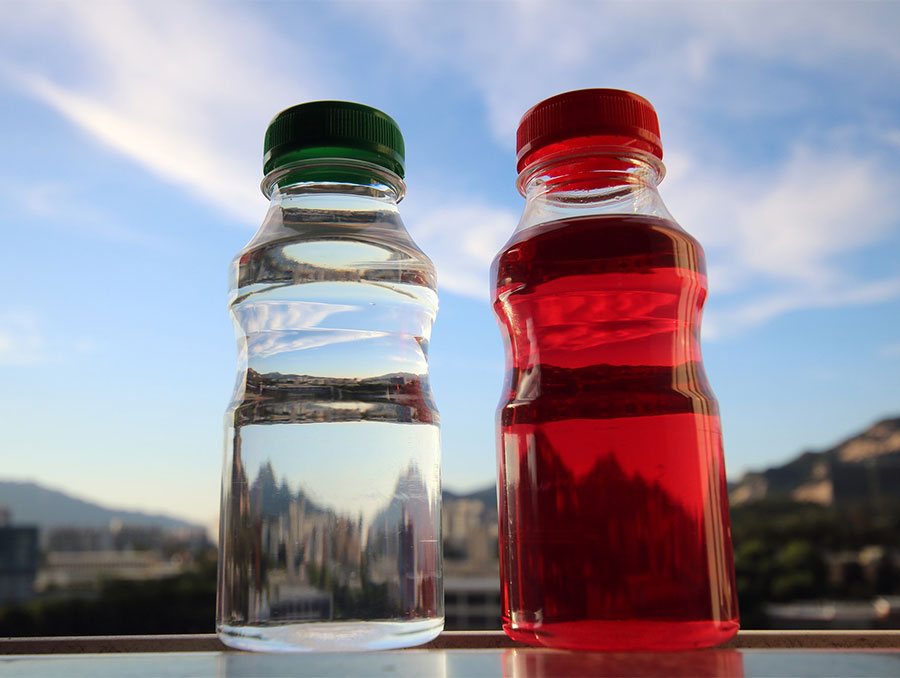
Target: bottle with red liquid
{"points": [[614, 527]]}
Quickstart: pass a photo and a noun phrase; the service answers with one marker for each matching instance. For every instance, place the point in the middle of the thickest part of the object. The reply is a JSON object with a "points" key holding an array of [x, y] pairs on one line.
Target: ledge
{"points": [[456, 654], [448, 640]]}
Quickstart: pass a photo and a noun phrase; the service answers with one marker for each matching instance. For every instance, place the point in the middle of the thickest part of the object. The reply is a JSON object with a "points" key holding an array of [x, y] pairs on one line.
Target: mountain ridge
{"points": [[863, 467], [31, 503]]}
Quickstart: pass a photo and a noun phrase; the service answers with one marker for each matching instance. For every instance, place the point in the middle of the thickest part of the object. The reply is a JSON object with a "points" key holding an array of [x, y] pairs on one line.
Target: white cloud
{"points": [[787, 229], [462, 240], [802, 32], [21, 341], [890, 350], [723, 322], [776, 233], [41, 200], [170, 154], [25, 340], [183, 90], [188, 103], [784, 229], [813, 209], [675, 53]]}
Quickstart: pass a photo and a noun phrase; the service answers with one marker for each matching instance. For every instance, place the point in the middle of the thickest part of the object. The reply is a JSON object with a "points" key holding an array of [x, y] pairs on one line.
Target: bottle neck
{"points": [[591, 180], [355, 184]]}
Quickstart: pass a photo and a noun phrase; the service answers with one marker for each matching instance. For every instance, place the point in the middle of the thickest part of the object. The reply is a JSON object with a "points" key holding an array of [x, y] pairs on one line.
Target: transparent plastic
{"points": [[330, 517], [614, 526]]}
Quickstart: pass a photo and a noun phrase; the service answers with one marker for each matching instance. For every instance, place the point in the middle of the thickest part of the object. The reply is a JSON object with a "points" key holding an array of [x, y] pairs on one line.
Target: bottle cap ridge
{"points": [[585, 113], [320, 129]]}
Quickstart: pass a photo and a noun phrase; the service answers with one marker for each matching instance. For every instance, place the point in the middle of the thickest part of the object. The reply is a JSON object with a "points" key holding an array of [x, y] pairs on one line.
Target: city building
{"points": [[18, 560], [79, 569], [472, 603]]}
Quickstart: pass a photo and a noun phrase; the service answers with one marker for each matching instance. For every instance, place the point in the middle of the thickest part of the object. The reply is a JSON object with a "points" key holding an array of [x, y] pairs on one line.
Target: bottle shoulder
{"points": [[632, 241], [293, 247], [282, 223]]}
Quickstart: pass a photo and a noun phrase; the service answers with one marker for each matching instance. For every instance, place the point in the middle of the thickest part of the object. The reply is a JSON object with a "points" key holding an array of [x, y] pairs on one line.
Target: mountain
{"points": [[32, 504], [862, 468]]}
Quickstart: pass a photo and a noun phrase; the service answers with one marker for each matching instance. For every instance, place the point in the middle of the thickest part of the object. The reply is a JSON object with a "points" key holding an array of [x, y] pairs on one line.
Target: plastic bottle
{"points": [[614, 526], [330, 519]]}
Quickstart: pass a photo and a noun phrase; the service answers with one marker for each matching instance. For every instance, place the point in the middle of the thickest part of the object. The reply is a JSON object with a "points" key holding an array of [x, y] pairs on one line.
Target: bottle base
{"points": [[347, 636], [623, 634]]}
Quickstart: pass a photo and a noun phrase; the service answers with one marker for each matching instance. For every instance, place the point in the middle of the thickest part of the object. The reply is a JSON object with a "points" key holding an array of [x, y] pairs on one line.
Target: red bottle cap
{"points": [[611, 113]]}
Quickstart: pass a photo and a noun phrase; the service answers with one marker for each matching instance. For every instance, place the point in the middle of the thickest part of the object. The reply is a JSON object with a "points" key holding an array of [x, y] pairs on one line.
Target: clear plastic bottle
{"points": [[330, 518], [614, 526]]}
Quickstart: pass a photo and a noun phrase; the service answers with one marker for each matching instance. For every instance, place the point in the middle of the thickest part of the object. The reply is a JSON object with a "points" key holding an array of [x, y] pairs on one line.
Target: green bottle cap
{"points": [[333, 129]]}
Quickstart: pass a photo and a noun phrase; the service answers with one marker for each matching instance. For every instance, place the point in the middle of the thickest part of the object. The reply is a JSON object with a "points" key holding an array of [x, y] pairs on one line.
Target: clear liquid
{"points": [[335, 533], [330, 525]]}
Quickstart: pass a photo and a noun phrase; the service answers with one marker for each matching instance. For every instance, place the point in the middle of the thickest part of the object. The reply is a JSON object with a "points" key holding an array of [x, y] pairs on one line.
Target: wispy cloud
{"points": [[778, 230], [197, 124], [890, 350], [461, 238], [724, 321], [813, 209], [777, 237], [170, 153], [182, 91], [41, 200], [188, 105], [26, 340], [21, 339], [681, 55]]}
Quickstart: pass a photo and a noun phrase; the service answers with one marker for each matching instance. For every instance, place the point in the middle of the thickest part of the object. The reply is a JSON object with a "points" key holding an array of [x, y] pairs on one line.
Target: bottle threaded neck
{"points": [[589, 167], [334, 175]]}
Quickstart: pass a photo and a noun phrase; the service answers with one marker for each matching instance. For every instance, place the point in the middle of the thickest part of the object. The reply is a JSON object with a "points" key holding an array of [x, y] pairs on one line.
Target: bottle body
{"points": [[330, 518], [614, 526], [613, 503]]}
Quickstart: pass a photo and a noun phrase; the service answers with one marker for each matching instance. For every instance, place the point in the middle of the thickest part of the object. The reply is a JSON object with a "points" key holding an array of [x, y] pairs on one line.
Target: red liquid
{"points": [[614, 529]]}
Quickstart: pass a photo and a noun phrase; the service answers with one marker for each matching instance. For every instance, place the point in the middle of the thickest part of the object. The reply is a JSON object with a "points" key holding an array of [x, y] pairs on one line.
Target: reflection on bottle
{"points": [[608, 548], [332, 413], [538, 663], [272, 398], [293, 559], [613, 514]]}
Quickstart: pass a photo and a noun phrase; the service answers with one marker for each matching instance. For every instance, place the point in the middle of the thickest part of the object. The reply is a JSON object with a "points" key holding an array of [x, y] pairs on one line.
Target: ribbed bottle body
{"points": [[330, 524], [613, 505]]}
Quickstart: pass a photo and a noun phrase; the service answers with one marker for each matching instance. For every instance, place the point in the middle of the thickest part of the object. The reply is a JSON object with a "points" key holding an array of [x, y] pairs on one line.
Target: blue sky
{"points": [[131, 157]]}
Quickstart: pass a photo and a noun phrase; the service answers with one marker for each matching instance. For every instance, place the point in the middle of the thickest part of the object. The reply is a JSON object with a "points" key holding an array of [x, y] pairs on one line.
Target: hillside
{"points": [[864, 467], [32, 504]]}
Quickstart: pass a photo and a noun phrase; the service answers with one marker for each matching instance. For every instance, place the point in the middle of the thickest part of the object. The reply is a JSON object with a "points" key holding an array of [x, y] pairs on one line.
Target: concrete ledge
{"points": [[449, 640], [105, 644], [815, 640]]}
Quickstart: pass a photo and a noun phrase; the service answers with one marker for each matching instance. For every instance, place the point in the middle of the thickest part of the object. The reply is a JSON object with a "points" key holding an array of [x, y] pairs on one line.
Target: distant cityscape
{"points": [[51, 561], [59, 560], [816, 573]]}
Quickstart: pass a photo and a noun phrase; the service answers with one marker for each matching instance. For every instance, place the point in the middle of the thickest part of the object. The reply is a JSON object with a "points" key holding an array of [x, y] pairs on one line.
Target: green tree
{"points": [[185, 603], [753, 565], [800, 571]]}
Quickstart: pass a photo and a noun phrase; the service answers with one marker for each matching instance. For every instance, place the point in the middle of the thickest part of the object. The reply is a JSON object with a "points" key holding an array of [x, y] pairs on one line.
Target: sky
{"points": [[130, 162]]}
